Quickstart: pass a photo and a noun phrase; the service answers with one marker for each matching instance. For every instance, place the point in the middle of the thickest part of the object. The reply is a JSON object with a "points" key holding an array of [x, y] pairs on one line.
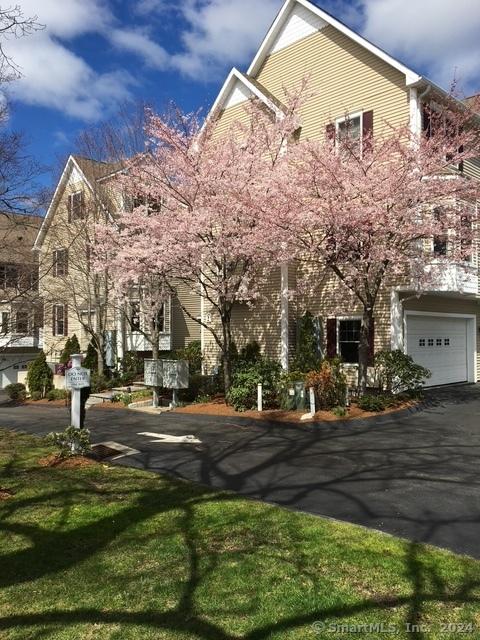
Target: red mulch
{"points": [[217, 407], [50, 403], [74, 462]]}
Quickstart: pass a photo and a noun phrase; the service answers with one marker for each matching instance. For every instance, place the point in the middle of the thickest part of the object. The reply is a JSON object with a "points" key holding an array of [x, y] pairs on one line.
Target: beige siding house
{"points": [[20, 307], [78, 300], [348, 74]]}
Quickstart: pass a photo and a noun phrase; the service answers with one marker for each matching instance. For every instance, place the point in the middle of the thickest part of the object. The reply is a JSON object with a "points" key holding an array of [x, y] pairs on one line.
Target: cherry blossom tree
{"points": [[200, 228], [369, 210]]}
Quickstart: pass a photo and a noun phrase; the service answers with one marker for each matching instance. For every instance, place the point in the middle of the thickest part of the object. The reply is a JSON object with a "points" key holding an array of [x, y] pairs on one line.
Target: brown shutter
{"points": [[371, 344], [65, 262], [330, 132], [65, 319], [426, 121], [367, 131], [331, 337], [70, 204], [54, 263], [54, 324]]}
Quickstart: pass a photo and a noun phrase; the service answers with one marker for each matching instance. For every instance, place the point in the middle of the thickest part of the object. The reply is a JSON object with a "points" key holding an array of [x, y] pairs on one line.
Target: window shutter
{"points": [[54, 263], [54, 321], [65, 262], [70, 205], [330, 132], [331, 337], [367, 131], [371, 344], [426, 121], [65, 319]]}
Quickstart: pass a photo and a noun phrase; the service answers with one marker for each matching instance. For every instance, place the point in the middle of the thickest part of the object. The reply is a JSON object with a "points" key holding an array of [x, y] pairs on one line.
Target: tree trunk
{"points": [[227, 350], [154, 336], [364, 349], [100, 360]]}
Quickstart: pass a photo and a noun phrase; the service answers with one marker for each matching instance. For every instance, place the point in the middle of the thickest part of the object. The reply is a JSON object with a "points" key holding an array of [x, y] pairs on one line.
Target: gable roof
{"points": [[411, 77], [238, 81], [91, 172]]}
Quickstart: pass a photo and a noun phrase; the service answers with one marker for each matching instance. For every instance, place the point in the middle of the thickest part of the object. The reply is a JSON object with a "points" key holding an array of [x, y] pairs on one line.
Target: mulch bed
{"points": [[217, 407], [73, 462], [50, 403]]}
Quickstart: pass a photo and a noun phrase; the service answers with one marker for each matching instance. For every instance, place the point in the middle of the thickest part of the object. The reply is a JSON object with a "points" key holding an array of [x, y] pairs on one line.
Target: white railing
{"points": [[453, 278], [20, 340]]}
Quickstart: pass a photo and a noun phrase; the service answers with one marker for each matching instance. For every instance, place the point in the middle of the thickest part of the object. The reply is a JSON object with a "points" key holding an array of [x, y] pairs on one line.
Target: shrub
{"points": [[243, 391], [71, 442], [39, 375], [91, 357], [71, 346], [57, 394], [370, 402], [249, 354], [192, 354], [16, 391], [199, 385], [329, 384], [131, 367], [99, 383], [340, 412], [395, 371], [307, 357], [36, 395]]}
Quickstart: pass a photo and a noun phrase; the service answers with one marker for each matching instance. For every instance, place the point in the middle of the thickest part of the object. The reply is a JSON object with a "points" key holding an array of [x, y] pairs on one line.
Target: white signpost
{"points": [[77, 378]]}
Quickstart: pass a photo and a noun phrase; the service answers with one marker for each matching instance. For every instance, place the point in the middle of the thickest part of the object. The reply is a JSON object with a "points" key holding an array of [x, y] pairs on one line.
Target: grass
{"points": [[108, 552]]}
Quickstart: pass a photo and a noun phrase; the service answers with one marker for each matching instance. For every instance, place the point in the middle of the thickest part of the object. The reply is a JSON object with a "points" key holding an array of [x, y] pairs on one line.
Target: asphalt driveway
{"points": [[414, 475]]}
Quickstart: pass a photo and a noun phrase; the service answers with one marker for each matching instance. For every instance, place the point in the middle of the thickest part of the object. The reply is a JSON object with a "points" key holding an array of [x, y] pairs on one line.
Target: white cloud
{"points": [[440, 37], [139, 43], [55, 77], [68, 18], [222, 33]]}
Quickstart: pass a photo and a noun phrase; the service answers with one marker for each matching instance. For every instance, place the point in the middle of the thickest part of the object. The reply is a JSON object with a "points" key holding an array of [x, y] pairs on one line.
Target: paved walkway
{"points": [[415, 476]]}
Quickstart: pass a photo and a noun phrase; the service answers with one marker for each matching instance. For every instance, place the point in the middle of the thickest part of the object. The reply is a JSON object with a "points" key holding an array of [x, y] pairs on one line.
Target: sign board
{"points": [[175, 374], [153, 373], [77, 378]]}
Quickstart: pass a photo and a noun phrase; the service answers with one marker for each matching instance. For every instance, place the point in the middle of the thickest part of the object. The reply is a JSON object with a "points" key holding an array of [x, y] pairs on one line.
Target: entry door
{"points": [[439, 344]]}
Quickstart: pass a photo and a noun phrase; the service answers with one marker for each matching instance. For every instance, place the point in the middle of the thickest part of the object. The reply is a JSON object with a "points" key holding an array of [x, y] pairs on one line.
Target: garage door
{"points": [[439, 344]]}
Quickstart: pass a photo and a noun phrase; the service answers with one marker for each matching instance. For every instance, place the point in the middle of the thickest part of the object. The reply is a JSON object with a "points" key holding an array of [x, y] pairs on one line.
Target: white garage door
{"points": [[7, 375], [440, 344]]}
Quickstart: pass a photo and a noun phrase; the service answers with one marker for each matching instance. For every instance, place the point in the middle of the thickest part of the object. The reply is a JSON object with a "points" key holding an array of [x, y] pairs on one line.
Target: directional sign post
{"points": [[76, 379]]}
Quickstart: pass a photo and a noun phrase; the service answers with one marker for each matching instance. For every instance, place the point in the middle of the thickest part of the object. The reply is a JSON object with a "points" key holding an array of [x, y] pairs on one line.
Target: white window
{"points": [[59, 316], [60, 262], [348, 332], [349, 131], [76, 206]]}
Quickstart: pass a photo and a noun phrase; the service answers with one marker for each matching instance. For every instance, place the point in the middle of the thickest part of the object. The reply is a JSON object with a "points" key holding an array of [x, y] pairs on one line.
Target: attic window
{"points": [[76, 206]]}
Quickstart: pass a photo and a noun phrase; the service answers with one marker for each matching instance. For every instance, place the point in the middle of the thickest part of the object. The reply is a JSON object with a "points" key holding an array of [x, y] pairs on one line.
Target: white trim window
{"points": [[76, 206], [348, 339], [349, 129], [59, 323]]}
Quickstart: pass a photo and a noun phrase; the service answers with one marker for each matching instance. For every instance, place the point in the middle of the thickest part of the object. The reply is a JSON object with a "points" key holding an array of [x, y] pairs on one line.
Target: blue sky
{"points": [[95, 54]]}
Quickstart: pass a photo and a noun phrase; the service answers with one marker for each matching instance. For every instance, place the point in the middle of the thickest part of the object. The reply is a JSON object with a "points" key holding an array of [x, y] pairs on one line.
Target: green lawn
{"points": [[105, 552]]}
